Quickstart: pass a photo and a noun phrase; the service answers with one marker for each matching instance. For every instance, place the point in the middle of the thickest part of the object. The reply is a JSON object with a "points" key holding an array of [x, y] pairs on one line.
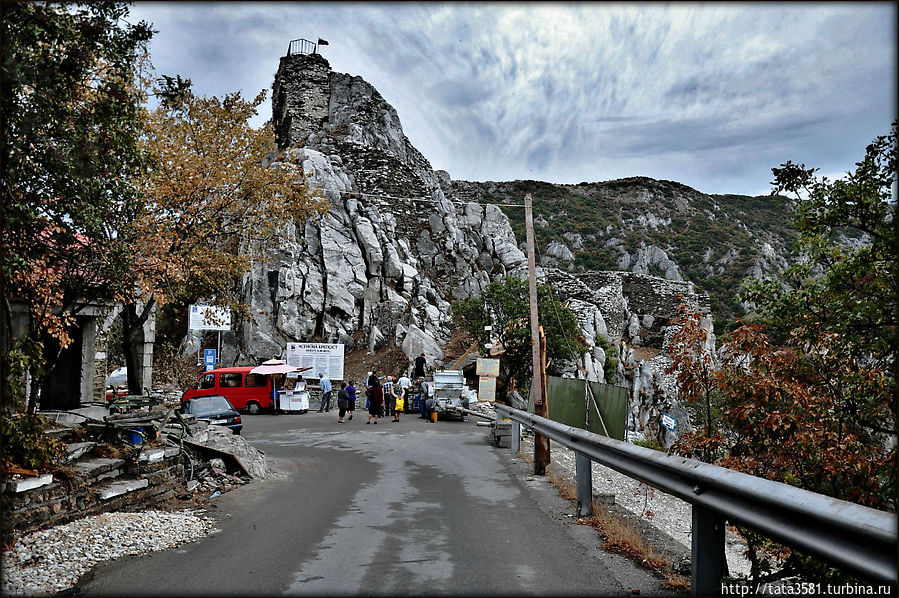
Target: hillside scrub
{"points": [[805, 390], [702, 232]]}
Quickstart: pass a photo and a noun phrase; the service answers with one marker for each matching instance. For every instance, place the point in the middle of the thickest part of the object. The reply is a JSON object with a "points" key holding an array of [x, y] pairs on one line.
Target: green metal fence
{"points": [[570, 403]]}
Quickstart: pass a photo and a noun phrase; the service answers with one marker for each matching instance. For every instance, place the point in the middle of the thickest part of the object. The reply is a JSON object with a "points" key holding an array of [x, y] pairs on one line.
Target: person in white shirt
{"points": [[405, 384]]}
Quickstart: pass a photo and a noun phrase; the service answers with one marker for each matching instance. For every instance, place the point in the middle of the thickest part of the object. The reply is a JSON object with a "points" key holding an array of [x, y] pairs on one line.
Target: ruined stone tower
{"points": [[301, 92]]}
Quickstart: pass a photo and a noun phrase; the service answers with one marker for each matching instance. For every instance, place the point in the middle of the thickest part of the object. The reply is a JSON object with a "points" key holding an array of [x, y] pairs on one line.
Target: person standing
{"points": [[351, 399], [376, 401], [324, 383], [389, 397], [405, 385], [420, 369], [343, 400], [370, 379], [397, 401]]}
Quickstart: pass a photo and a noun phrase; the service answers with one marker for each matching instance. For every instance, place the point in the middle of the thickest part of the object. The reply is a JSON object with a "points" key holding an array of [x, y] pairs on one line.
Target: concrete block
{"points": [[98, 465], [172, 451], [78, 449], [605, 498], [119, 488], [29, 483], [152, 455]]}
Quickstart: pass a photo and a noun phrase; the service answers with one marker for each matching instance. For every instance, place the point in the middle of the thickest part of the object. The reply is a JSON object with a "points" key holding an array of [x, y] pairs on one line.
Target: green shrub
{"points": [[25, 445], [649, 443], [611, 367]]}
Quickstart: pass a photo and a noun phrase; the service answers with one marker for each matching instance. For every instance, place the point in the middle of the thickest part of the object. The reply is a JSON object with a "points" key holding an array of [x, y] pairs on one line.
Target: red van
{"points": [[246, 391]]}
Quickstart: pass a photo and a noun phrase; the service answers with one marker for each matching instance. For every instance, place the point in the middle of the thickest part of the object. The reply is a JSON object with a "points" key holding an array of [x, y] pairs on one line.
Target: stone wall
{"points": [[300, 97], [94, 486]]}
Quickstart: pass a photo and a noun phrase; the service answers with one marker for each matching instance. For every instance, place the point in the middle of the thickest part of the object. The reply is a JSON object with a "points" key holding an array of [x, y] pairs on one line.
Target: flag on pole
{"points": [[322, 42]]}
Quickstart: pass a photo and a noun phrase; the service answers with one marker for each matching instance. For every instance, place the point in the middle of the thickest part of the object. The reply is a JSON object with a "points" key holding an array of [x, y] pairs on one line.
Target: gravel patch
{"points": [[52, 560], [669, 514]]}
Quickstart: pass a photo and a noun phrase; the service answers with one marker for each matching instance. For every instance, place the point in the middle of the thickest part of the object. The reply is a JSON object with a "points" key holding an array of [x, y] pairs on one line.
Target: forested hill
{"points": [[648, 226]]}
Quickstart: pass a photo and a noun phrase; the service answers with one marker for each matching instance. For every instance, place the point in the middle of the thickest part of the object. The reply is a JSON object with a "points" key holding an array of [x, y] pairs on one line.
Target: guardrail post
{"points": [[516, 437], [707, 553], [584, 470]]}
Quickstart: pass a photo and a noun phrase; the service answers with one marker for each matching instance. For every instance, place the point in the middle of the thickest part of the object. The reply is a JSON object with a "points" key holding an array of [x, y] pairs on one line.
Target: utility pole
{"points": [[541, 442]]}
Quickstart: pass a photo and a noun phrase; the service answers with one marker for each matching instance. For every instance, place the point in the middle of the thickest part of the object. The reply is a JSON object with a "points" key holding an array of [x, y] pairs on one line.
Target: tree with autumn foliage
{"points": [[211, 202], [694, 363], [806, 390], [70, 120]]}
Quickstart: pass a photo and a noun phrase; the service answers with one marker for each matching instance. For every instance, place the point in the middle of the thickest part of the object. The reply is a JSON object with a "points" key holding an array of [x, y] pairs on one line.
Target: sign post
{"points": [[209, 317]]}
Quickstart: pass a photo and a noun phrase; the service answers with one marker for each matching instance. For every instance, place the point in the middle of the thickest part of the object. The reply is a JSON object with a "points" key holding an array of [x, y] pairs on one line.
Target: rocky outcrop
{"points": [[392, 252], [634, 313], [401, 241]]}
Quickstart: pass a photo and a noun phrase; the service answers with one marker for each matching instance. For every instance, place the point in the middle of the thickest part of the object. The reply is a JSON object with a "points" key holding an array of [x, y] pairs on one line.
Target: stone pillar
{"points": [[88, 350], [145, 370]]}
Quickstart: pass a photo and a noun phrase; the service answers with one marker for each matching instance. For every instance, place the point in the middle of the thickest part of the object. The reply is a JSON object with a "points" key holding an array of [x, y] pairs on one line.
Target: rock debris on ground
{"points": [[52, 560]]}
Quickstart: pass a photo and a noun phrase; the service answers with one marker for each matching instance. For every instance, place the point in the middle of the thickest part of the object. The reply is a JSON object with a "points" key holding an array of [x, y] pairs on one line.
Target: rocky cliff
{"points": [[646, 226], [402, 241]]}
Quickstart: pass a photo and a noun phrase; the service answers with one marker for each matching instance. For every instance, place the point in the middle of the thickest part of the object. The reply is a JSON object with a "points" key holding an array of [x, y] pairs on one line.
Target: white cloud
{"points": [[711, 95]]}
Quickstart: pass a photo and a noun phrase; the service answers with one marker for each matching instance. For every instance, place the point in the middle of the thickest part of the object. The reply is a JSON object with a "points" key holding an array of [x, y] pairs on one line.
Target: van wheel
{"points": [[253, 408]]}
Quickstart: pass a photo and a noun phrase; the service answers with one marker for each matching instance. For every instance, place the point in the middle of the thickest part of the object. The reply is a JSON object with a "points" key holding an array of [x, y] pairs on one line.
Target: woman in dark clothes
{"points": [[351, 404], [375, 400], [343, 400]]}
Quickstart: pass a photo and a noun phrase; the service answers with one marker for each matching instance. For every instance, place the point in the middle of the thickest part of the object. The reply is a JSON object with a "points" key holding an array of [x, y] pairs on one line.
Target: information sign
{"points": [[209, 358], [208, 317], [487, 388], [488, 367], [326, 358]]}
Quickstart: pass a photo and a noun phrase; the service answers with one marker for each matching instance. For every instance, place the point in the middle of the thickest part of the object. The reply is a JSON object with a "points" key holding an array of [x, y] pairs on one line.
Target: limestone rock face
{"points": [[401, 241], [634, 312], [393, 250]]}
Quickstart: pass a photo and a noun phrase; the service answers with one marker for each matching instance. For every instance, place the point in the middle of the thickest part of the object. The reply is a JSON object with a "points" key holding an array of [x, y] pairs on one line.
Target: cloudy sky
{"points": [[711, 95]]}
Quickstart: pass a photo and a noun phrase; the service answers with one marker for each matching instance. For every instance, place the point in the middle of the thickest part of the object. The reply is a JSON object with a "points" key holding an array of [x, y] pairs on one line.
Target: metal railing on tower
{"points": [[304, 46]]}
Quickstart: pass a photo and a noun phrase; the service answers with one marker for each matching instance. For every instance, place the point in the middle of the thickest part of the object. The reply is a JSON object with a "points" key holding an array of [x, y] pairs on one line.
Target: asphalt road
{"points": [[409, 508]]}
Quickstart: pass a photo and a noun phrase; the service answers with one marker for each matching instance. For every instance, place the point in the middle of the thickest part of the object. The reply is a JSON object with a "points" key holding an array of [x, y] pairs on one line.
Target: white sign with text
{"points": [[326, 358]]}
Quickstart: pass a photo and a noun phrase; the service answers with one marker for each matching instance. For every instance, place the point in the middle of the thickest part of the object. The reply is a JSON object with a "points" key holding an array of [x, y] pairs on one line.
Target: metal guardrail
{"points": [[852, 537]]}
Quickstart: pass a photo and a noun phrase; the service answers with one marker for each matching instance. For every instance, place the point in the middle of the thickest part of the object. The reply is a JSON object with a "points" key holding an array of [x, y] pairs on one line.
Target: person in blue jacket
{"points": [[324, 383]]}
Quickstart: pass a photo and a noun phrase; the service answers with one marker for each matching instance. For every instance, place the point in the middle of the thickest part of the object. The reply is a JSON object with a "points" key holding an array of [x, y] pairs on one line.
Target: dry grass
{"points": [[567, 490], [646, 353], [621, 536], [625, 538], [674, 581]]}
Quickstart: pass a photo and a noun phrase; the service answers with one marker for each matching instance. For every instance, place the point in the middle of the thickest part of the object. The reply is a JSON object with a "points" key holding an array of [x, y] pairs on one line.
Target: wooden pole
{"points": [[541, 443]]}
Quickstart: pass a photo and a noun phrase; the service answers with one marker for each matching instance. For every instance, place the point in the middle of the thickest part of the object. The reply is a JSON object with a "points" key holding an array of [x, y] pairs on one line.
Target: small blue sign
{"points": [[669, 422], [209, 358]]}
